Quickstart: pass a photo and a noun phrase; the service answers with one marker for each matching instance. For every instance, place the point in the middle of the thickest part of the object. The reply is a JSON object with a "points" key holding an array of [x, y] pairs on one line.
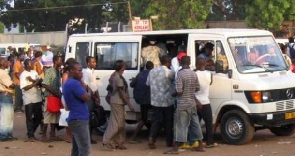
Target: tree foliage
{"points": [[266, 14], [176, 14]]}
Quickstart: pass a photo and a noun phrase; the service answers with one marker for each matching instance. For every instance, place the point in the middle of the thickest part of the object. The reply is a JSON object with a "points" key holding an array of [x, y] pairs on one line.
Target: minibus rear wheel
{"points": [[236, 127], [286, 130]]}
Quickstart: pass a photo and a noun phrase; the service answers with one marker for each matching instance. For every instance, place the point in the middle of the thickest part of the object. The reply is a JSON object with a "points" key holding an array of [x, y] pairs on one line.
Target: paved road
{"points": [[263, 144]]}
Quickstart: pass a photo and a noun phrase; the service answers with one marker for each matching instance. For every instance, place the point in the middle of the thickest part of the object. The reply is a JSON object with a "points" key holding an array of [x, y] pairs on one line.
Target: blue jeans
{"points": [[6, 116], [81, 137]]}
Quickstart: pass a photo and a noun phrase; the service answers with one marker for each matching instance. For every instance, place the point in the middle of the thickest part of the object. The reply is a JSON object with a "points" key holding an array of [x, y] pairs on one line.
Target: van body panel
{"points": [[225, 90]]}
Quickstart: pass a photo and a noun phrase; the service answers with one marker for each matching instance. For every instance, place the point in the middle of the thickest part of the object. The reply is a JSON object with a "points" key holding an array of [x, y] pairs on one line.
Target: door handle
{"points": [[97, 78]]}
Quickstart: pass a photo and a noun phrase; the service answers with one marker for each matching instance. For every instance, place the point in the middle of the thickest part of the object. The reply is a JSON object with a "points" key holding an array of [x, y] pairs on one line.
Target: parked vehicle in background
{"points": [[252, 86], [4, 52]]}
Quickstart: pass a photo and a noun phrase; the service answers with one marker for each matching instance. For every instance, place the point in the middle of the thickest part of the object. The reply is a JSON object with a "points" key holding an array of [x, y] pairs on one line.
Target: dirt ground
{"points": [[264, 144]]}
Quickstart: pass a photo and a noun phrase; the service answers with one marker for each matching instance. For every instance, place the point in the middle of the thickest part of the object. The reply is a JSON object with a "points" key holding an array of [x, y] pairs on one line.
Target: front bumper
{"points": [[273, 119]]}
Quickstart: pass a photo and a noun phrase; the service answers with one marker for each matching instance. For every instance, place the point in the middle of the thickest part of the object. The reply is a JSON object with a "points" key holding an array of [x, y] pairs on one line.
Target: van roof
{"points": [[216, 31]]}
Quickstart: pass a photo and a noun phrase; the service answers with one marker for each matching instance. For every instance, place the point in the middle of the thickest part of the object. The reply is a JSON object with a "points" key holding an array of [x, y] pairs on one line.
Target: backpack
{"points": [[98, 117]]}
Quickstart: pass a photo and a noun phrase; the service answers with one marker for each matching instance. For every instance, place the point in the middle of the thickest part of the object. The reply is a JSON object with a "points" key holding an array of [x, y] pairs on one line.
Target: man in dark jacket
{"points": [[142, 96]]}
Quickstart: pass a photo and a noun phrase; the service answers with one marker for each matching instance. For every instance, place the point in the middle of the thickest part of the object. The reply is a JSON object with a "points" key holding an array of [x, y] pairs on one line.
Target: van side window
{"points": [[82, 51], [221, 59], [107, 53]]}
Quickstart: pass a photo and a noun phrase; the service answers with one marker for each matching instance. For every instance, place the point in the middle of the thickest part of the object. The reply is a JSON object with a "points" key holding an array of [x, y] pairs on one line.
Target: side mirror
{"points": [[230, 73], [219, 66]]}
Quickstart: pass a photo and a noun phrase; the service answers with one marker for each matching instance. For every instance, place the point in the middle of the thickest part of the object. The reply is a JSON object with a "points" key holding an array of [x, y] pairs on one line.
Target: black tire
{"points": [[236, 127], [286, 130]]}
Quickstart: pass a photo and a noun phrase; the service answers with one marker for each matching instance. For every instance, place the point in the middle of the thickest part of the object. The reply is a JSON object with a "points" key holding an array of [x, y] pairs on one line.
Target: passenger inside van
{"points": [[206, 53]]}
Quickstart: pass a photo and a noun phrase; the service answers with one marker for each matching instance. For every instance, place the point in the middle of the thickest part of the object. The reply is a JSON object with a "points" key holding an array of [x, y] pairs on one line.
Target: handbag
{"points": [[54, 104], [98, 117], [64, 114]]}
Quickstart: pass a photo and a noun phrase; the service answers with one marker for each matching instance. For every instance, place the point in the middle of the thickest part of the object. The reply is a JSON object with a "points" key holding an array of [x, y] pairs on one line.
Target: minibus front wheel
{"points": [[236, 127]]}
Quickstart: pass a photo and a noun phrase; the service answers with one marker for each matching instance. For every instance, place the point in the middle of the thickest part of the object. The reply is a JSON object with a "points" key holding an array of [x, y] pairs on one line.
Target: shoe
{"points": [[185, 146], [5, 139], [152, 146], [108, 147], [12, 138], [195, 144]]}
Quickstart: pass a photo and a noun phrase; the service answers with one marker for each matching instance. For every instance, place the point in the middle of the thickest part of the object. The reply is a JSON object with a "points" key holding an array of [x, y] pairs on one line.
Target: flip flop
{"points": [[171, 152], [152, 146]]}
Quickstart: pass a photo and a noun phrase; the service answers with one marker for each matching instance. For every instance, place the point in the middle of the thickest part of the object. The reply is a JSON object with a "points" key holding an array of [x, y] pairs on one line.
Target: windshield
{"points": [[257, 54]]}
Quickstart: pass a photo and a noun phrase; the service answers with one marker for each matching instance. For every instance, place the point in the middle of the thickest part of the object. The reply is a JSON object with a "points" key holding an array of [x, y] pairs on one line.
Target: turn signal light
{"points": [[256, 96]]}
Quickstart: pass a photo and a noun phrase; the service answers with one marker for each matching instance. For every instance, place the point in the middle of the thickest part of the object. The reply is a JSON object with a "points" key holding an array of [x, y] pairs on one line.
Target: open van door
{"points": [[220, 90]]}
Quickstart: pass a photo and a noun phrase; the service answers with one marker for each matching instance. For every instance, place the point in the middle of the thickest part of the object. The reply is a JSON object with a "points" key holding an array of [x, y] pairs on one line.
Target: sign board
{"points": [[141, 25]]}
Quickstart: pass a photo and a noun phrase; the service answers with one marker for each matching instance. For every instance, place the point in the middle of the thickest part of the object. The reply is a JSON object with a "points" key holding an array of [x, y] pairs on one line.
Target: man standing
{"points": [[6, 106], [47, 58], [52, 85], [17, 70], [186, 117], [160, 80], [76, 95], [89, 78], [142, 96], [29, 81]]}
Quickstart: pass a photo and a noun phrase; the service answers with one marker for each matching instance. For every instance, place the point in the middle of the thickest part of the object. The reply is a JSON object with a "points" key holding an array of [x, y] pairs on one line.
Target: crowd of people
{"points": [[178, 99]]}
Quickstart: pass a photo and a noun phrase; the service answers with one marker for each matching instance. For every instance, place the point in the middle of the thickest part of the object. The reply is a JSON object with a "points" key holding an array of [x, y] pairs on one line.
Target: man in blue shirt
{"points": [[76, 95]]}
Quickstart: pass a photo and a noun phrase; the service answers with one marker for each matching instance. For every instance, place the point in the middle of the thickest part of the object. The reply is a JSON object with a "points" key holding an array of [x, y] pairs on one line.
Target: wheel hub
{"points": [[234, 127]]}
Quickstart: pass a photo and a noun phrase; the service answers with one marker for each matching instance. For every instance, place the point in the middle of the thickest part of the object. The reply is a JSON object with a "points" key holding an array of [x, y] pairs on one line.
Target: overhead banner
{"points": [[142, 25]]}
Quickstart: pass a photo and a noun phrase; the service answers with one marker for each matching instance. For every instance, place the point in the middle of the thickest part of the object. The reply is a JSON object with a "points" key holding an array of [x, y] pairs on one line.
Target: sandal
{"points": [[121, 147], [109, 147], [172, 151], [152, 146]]}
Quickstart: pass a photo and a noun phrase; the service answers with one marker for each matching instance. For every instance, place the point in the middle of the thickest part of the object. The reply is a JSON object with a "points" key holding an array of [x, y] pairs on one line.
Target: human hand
{"points": [[30, 79]]}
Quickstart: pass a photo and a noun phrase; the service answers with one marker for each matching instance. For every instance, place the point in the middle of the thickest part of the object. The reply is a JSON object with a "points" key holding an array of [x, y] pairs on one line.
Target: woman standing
{"points": [[38, 67], [114, 135]]}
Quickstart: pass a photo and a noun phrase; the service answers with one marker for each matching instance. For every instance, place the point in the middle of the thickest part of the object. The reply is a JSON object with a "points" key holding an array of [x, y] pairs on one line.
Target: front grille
{"points": [[285, 105]]}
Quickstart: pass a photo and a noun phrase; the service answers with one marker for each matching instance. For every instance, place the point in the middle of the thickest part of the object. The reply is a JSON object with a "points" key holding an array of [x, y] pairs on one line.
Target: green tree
{"points": [[176, 14], [2, 27], [266, 14]]}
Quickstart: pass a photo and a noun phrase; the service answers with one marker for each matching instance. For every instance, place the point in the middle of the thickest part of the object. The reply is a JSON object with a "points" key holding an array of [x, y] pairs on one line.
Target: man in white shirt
{"points": [[29, 81], [89, 78], [47, 58]]}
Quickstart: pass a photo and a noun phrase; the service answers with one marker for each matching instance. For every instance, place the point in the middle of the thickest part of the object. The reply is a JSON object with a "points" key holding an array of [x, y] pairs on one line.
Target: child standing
{"points": [[205, 80]]}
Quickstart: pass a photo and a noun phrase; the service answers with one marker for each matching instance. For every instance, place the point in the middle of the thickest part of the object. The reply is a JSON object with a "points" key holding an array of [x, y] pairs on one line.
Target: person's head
{"points": [[291, 40], [38, 55], [75, 71], [149, 65], [165, 61], [119, 66], [29, 53], [2, 63], [10, 58], [271, 50], [20, 56], [91, 62], [68, 62], [57, 61], [283, 48], [201, 63], [10, 48], [209, 47], [28, 64], [185, 61], [180, 55], [182, 49]]}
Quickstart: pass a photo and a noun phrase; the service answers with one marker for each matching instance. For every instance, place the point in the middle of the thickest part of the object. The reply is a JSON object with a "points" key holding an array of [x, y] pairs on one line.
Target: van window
{"points": [[82, 51], [107, 53], [257, 54], [221, 58], [2, 51]]}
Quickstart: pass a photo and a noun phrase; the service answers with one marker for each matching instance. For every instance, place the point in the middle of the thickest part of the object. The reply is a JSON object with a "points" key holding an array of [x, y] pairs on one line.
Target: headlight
{"points": [[266, 97]]}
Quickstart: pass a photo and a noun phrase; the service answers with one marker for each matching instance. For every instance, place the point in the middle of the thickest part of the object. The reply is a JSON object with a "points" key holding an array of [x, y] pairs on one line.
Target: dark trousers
{"points": [[81, 142], [206, 115], [162, 115], [90, 105], [33, 117], [18, 98]]}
